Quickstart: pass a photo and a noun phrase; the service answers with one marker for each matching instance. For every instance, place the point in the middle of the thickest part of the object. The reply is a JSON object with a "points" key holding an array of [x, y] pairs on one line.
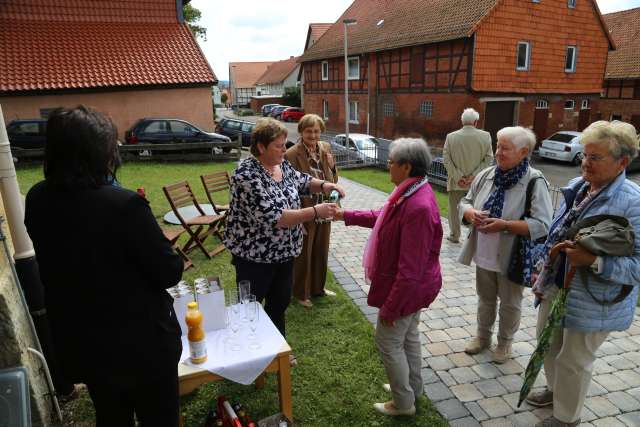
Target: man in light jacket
{"points": [[467, 151]]}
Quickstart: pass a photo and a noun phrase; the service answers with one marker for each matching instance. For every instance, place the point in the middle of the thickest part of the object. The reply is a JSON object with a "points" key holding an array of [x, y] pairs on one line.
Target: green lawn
{"points": [[379, 179], [339, 375]]}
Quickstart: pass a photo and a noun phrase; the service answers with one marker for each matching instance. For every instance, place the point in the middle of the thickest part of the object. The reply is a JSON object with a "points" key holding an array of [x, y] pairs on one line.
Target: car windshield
{"points": [[561, 137]]}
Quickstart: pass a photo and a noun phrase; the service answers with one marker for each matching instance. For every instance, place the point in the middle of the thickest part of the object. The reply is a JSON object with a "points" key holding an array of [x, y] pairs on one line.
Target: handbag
{"points": [[526, 252]]}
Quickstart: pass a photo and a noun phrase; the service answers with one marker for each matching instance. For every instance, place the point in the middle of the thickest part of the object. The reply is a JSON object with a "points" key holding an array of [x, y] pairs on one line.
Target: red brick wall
{"points": [[622, 107], [256, 104], [549, 26]]}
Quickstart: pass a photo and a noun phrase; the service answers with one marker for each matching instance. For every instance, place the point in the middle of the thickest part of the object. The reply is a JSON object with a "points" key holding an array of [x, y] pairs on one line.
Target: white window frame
{"points": [[349, 75], [325, 70], [353, 111], [573, 104], [571, 4], [585, 104], [542, 104], [573, 59], [388, 109], [325, 109], [426, 108], [527, 56]]}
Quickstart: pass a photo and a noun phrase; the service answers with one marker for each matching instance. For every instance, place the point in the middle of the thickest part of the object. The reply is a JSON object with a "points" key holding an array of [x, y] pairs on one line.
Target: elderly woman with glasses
{"points": [[401, 263], [603, 292], [494, 207]]}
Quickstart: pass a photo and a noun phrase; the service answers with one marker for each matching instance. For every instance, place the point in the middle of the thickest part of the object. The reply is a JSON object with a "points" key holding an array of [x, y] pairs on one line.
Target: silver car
{"points": [[366, 146], [564, 146]]}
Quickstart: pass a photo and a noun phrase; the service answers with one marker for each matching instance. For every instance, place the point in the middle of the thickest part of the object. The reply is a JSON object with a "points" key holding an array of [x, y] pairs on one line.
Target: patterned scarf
{"points": [[401, 192], [549, 269], [503, 181]]}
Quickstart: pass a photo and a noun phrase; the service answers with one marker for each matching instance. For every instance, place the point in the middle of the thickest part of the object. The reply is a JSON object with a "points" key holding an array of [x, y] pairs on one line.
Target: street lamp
{"points": [[346, 22]]}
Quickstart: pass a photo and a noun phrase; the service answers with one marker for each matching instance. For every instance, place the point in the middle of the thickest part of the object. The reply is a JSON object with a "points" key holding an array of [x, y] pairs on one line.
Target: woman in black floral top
{"points": [[264, 231]]}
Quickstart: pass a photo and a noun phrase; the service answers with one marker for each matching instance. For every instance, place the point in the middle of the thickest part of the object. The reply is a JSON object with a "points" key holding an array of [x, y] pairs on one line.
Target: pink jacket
{"points": [[407, 277]]}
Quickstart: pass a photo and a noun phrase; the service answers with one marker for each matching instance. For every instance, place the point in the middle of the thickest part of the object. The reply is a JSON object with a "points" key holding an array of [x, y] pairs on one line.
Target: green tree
{"points": [[291, 96], [191, 17], [223, 98]]}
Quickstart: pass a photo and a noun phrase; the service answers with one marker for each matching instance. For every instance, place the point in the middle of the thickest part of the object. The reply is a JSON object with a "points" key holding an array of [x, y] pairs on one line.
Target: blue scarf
{"points": [[503, 181]]}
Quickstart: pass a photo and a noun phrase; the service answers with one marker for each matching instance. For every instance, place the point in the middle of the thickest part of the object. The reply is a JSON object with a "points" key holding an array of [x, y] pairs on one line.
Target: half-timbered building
{"points": [[414, 65], [621, 95]]}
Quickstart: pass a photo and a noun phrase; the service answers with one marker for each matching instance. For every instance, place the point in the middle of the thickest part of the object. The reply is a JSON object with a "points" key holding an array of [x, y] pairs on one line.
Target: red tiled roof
{"points": [[402, 23], [317, 30], [278, 71], [406, 23], [624, 62], [83, 44], [245, 74]]}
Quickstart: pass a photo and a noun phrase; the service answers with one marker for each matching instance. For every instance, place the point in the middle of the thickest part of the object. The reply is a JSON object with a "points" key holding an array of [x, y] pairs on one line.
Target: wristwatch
{"points": [[596, 267]]}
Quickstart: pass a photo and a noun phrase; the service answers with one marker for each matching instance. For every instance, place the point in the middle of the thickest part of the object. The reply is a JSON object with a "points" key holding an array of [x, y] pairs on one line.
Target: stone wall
{"points": [[16, 336]]}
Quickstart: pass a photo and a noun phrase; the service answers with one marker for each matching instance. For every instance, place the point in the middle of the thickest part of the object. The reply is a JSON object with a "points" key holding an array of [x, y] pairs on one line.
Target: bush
{"points": [[245, 112]]}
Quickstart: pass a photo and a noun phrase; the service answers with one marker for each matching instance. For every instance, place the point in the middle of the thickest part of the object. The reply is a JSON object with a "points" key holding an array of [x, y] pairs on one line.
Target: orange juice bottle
{"points": [[197, 342]]}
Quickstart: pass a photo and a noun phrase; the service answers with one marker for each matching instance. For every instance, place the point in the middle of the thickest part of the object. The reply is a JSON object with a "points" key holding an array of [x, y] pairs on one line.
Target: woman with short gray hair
{"points": [[401, 264], [494, 208], [603, 293]]}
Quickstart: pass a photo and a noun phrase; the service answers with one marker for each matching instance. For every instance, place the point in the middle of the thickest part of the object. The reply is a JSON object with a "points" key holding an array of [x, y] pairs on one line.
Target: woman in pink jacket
{"points": [[401, 263]]}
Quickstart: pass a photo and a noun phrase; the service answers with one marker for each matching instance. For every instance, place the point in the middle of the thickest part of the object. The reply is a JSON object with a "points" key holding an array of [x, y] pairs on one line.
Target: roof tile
{"points": [[245, 74], [624, 62], [278, 71]]}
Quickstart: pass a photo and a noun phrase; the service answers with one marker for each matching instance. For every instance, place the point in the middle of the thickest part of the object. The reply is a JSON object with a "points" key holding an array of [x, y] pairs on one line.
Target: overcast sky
{"points": [[259, 30]]}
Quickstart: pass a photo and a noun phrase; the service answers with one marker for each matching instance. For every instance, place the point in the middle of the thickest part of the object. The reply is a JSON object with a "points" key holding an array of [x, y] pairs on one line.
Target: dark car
{"points": [[232, 128], [27, 134], [266, 109], [276, 112], [168, 131]]}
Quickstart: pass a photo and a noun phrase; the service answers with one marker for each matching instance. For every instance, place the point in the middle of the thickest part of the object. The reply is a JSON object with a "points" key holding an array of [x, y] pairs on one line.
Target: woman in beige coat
{"points": [[312, 156]]}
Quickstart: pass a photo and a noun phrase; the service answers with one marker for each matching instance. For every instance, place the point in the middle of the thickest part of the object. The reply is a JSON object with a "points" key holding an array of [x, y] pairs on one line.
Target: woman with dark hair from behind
{"points": [[105, 265]]}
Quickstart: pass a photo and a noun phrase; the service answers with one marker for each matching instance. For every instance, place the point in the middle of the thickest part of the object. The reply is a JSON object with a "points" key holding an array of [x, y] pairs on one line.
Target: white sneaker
{"points": [[388, 408]]}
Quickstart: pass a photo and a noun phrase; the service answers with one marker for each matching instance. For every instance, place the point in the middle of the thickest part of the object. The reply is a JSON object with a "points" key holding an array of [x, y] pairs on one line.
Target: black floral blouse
{"points": [[257, 202]]}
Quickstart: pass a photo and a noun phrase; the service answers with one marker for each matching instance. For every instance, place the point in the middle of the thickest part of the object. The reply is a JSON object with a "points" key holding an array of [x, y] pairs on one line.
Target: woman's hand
{"points": [[475, 216], [492, 225], [339, 216], [328, 187], [387, 323], [326, 210], [577, 255]]}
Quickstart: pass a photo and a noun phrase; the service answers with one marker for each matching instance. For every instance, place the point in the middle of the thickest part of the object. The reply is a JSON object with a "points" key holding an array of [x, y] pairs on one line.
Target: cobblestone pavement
{"points": [[471, 390]]}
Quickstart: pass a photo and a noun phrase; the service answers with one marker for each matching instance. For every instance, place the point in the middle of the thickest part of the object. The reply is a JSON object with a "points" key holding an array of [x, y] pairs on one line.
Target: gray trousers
{"points": [[454, 219], [399, 347], [568, 365], [491, 287]]}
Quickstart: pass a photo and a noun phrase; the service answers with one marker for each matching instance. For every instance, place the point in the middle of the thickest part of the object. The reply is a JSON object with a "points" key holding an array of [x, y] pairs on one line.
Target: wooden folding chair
{"points": [[173, 234], [199, 227], [214, 182]]}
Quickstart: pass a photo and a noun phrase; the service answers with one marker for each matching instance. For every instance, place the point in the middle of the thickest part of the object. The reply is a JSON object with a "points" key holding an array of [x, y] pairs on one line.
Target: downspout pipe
{"points": [[24, 256]]}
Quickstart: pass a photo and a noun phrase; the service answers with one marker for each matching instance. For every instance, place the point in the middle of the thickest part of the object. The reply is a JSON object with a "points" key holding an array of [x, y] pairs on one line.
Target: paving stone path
{"points": [[471, 390]]}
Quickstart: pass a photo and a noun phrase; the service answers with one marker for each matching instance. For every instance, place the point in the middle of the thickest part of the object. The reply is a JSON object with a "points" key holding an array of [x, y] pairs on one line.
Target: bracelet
{"points": [[322, 186], [506, 227], [315, 211]]}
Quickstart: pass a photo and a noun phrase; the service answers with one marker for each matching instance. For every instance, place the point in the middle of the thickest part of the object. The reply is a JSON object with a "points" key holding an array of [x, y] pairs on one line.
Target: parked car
{"points": [[292, 114], [167, 131], [564, 146], [233, 127], [266, 109], [365, 145], [27, 134], [277, 111]]}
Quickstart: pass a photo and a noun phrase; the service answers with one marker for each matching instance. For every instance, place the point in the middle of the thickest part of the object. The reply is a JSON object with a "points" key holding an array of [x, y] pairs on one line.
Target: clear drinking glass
{"points": [[244, 287], [234, 324], [253, 314]]}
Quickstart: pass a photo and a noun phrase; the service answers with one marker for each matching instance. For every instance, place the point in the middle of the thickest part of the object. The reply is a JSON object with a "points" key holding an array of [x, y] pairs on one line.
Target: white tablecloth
{"points": [[242, 366]]}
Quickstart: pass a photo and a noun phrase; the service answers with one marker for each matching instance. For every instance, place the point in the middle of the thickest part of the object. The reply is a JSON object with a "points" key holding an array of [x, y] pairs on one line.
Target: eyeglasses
{"points": [[595, 157], [390, 162]]}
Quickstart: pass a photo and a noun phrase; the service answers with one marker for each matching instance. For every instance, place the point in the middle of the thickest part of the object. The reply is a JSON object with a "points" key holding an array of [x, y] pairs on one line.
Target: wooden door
{"points": [[498, 114], [540, 121], [584, 119]]}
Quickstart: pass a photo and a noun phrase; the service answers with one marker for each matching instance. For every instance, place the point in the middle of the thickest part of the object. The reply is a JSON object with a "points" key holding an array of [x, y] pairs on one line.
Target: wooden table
{"points": [[190, 378]]}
